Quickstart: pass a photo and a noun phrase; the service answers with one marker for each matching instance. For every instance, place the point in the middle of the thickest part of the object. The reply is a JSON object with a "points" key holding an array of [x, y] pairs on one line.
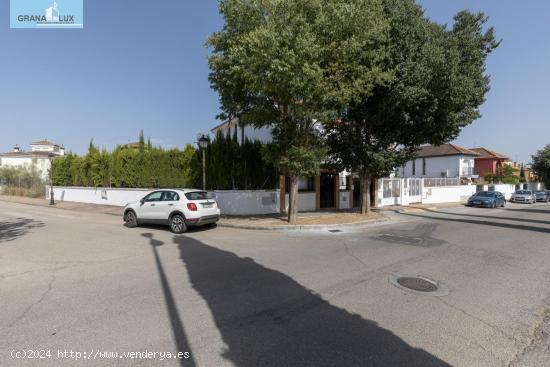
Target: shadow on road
{"points": [[268, 319], [178, 330], [494, 217], [481, 222], [12, 229], [538, 211]]}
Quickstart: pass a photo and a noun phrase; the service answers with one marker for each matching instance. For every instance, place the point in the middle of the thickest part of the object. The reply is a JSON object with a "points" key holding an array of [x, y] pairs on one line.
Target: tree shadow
{"points": [[491, 217], [539, 211], [11, 229], [178, 331], [482, 222], [267, 319]]}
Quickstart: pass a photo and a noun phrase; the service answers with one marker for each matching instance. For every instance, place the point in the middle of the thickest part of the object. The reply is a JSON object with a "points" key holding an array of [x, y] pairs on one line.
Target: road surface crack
{"points": [[31, 306], [537, 337]]}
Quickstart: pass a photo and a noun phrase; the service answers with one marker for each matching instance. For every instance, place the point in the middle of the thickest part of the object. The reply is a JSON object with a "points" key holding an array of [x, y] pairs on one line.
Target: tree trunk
{"points": [[293, 200], [365, 192]]}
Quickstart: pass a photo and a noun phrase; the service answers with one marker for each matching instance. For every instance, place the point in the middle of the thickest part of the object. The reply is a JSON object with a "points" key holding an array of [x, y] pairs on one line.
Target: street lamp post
{"points": [[51, 156], [203, 144]]}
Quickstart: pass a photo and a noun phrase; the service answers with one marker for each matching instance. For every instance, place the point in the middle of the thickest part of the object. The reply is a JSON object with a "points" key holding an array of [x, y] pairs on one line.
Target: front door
{"points": [[328, 197]]}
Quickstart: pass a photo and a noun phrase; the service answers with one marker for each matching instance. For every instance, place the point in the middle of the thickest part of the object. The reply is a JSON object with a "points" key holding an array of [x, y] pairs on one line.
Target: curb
{"points": [[305, 227]]}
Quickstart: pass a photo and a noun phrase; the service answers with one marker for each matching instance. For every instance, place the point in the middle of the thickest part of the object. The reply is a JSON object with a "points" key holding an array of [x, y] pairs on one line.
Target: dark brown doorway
{"points": [[327, 194]]}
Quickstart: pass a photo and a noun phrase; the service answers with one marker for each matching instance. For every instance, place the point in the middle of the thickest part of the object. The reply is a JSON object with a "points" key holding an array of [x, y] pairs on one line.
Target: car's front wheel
{"points": [[130, 219], [177, 224]]}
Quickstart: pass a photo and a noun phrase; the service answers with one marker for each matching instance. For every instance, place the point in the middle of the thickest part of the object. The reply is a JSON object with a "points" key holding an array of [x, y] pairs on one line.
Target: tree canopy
{"points": [[290, 65], [541, 165], [437, 82]]}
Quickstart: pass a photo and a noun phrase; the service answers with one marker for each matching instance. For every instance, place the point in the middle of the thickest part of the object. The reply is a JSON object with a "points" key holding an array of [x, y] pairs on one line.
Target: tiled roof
{"points": [[444, 150], [486, 153], [43, 142]]}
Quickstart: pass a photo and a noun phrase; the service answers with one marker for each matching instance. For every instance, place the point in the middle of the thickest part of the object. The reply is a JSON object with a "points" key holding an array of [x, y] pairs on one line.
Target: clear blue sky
{"points": [[142, 65]]}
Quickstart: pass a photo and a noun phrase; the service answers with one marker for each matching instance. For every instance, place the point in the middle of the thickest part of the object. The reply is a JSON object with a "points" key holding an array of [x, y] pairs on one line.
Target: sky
{"points": [[142, 65]]}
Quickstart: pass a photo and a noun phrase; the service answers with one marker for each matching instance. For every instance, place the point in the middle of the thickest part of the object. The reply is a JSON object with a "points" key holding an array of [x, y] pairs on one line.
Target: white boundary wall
{"points": [[231, 202], [306, 201], [101, 196], [244, 202], [235, 202], [434, 195]]}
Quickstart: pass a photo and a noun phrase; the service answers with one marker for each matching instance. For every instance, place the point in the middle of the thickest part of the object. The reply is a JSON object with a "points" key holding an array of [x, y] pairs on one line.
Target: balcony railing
{"points": [[469, 171]]}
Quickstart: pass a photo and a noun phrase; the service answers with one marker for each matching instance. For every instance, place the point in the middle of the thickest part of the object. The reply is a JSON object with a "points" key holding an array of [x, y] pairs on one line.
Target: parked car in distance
{"points": [[487, 199], [523, 196], [177, 208], [542, 196]]}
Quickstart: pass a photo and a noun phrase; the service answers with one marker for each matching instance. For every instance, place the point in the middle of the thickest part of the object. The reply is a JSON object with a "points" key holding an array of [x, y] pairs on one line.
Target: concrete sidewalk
{"points": [[306, 221], [82, 207], [421, 207]]}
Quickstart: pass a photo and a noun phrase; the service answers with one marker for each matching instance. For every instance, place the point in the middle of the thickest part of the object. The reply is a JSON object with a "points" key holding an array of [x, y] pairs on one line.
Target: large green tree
{"points": [[437, 82], [290, 64], [541, 165]]}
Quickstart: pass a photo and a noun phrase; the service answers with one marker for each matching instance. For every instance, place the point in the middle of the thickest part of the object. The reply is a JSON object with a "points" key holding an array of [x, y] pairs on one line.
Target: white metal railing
{"points": [[441, 182]]}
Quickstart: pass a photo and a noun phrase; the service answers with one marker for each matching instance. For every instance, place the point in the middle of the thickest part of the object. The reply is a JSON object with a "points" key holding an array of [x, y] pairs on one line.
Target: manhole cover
{"points": [[417, 284]]}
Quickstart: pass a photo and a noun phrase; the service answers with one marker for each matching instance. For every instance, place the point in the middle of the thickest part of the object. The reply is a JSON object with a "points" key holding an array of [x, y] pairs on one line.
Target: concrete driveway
{"points": [[82, 283]]}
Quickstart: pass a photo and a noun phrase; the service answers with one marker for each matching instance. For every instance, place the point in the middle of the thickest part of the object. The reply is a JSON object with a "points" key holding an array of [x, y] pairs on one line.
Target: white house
{"points": [[39, 156], [447, 160]]}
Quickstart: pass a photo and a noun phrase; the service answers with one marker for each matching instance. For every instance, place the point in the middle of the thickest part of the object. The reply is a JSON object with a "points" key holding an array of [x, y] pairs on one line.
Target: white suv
{"points": [[178, 208]]}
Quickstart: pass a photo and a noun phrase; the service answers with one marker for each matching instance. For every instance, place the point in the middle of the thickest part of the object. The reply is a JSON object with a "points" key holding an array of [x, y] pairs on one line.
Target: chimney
{"points": [[16, 148]]}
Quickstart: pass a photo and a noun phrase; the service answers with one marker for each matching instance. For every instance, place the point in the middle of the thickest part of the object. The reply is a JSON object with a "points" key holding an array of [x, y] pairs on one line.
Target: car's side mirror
{"points": [[142, 201]]}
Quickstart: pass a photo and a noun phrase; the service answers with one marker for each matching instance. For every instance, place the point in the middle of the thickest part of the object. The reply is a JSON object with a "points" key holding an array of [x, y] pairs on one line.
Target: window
{"points": [[170, 196], [414, 167], [423, 166], [154, 196], [199, 195]]}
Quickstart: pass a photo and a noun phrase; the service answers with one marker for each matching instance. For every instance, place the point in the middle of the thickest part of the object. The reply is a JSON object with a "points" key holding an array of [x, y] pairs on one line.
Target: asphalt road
{"points": [[82, 283]]}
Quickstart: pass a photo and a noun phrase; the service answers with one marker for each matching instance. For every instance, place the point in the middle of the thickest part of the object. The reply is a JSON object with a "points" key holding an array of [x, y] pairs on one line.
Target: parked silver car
{"points": [[524, 196]]}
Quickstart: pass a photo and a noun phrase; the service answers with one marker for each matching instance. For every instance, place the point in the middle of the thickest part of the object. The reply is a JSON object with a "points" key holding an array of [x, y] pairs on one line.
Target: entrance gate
{"points": [[415, 190]]}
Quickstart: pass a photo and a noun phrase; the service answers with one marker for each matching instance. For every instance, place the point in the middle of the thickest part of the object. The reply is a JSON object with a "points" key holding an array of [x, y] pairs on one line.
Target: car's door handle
{"points": [[153, 204], [170, 204]]}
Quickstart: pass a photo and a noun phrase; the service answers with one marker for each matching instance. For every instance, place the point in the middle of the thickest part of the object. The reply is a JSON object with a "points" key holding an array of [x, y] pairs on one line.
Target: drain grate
{"points": [[335, 230], [417, 284]]}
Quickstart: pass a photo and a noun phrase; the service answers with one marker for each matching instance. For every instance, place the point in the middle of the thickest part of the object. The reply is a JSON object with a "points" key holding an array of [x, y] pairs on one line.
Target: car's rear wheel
{"points": [[130, 219], [177, 224]]}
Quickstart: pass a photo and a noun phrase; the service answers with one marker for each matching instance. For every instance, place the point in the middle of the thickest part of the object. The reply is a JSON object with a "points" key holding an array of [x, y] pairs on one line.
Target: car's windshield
{"points": [[199, 195], [485, 194], [523, 192]]}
